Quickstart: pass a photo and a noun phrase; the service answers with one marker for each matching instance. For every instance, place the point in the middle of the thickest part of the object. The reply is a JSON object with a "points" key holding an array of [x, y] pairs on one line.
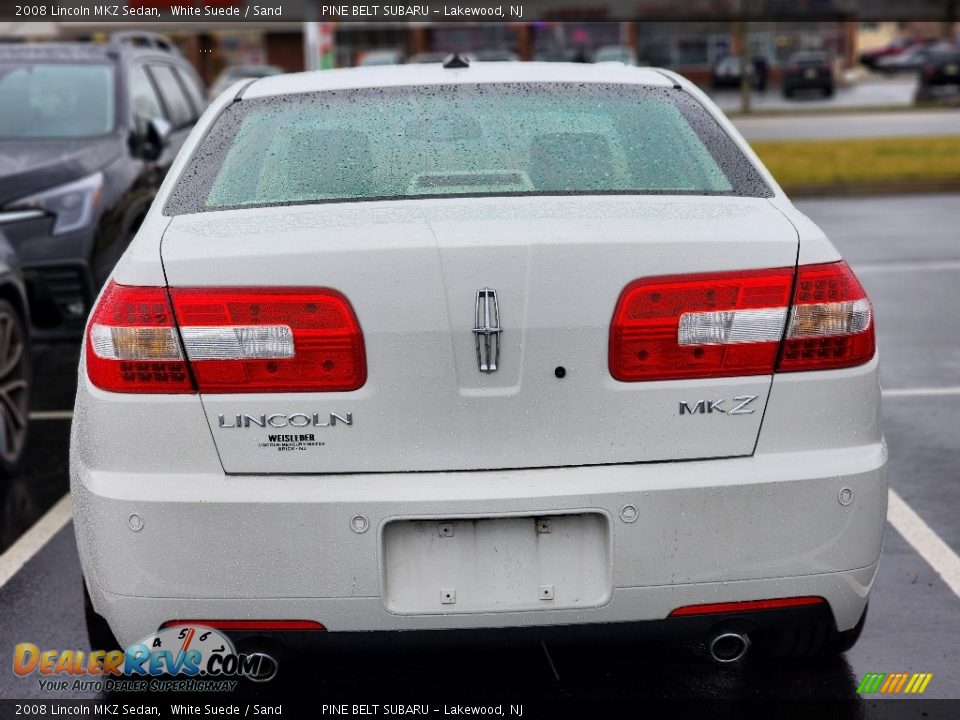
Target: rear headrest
{"points": [[571, 161], [330, 161]]}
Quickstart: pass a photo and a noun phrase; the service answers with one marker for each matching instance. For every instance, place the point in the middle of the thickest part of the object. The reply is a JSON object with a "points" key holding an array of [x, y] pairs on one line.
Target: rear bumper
{"points": [[282, 547]]}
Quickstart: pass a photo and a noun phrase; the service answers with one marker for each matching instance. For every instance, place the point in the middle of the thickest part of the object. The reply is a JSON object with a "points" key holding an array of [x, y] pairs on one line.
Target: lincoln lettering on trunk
{"points": [[280, 420]]}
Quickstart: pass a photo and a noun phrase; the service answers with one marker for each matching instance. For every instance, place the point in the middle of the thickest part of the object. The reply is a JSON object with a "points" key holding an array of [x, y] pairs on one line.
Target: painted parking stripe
{"points": [[925, 541], [921, 392], [908, 266], [51, 415], [33, 540]]}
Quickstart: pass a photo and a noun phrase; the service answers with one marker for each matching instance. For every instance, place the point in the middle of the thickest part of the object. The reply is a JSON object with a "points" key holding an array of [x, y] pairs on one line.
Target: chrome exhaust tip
{"points": [[264, 670], [728, 647]]}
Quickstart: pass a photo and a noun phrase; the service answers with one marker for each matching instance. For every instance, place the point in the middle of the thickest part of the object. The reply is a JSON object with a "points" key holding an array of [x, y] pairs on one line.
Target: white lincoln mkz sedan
{"points": [[473, 346]]}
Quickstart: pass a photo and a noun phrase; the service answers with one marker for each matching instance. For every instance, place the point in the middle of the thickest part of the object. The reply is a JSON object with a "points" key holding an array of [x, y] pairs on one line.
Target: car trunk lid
{"points": [[412, 271]]}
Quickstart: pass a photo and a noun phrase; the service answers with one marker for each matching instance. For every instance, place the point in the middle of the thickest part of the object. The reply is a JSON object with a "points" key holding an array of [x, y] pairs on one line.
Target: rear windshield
{"points": [[55, 100], [462, 141]]}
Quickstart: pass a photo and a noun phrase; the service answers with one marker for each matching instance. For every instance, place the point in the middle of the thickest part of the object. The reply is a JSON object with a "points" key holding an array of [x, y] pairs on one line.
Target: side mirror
{"points": [[155, 138]]}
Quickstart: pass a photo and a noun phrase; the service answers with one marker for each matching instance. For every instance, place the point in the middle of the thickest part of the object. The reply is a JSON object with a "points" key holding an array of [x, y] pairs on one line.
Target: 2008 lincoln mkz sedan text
{"points": [[471, 346]]}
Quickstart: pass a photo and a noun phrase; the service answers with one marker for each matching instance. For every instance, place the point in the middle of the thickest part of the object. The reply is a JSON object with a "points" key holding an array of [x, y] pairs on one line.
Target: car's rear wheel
{"points": [[99, 634], [14, 389], [809, 639]]}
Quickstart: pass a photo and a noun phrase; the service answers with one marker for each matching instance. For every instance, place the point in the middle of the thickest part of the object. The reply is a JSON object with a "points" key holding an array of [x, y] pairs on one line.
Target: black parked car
{"points": [[941, 70], [87, 132], [14, 362], [808, 71]]}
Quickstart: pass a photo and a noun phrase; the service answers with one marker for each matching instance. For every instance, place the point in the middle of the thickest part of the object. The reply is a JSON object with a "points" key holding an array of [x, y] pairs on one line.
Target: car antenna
{"points": [[456, 60]]}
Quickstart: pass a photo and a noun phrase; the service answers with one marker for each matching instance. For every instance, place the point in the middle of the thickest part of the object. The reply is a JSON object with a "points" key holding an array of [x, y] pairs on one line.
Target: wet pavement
{"points": [[907, 252]]}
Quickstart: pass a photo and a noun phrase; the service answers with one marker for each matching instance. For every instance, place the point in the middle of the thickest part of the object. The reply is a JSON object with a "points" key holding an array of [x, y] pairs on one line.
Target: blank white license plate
{"points": [[952, 69], [810, 74], [496, 564]]}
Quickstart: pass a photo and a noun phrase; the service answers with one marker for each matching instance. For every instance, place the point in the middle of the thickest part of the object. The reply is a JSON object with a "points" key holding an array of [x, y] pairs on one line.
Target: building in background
{"points": [[691, 48]]}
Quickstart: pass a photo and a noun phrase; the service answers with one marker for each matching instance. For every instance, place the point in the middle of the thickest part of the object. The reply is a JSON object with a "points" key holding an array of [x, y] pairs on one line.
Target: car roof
{"points": [[55, 51], [436, 74], [82, 51]]}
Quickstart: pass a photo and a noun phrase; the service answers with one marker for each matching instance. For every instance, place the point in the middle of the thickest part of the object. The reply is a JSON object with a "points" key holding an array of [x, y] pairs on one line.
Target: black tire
{"points": [[828, 92], [14, 389], [787, 92], [99, 634], [807, 640]]}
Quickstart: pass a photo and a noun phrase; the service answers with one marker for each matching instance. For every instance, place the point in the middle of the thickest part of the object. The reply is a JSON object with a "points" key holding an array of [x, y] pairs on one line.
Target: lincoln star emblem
{"points": [[486, 330]]}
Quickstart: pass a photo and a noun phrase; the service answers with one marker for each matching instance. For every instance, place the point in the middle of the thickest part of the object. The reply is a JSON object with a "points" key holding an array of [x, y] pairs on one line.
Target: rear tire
{"points": [[807, 640], [99, 634], [14, 389]]}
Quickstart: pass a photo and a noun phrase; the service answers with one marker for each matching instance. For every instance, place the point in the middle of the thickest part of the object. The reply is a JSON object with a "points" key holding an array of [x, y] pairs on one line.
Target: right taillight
{"points": [[224, 340], [831, 321], [741, 323]]}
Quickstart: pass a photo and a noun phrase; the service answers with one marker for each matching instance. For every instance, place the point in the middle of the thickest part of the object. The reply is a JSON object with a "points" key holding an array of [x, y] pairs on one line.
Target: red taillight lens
{"points": [[250, 625], [929, 70], [245, 340], [699, 326], [132, 344], [226, 340], [747, 606], [732, 324], [831, 322]]}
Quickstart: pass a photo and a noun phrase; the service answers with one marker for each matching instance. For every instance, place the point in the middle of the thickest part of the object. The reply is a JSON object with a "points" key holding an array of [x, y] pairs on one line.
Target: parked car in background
{"points": [[941, 70], [808, 71], [87, 132], [869, 58], [241, 72], [365, 359], [914, 58], [615, 53], [726, 72], [15, 374], [390, 56]]}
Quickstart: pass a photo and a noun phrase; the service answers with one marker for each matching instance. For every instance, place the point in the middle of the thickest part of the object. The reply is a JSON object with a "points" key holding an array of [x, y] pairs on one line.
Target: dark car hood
{"points": [[28, 166]]}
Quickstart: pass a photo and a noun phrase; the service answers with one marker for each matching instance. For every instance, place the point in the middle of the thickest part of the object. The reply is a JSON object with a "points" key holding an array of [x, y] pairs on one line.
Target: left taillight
{"points": [[132, 343], [225, 340]]}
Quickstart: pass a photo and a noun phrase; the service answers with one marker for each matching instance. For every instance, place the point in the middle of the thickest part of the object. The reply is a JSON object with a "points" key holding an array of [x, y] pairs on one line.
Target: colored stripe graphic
{"points": [[894, 683], [870, 683]]}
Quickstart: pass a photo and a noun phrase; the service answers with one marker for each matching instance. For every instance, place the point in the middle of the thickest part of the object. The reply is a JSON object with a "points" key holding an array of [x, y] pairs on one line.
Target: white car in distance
{"points": [[479, 346]]}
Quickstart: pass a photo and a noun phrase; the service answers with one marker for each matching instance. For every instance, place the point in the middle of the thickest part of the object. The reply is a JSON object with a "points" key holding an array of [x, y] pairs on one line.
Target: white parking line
{"points": [[920, 392], [908, 266], [925, 541], [51, 415], [33, 540]]}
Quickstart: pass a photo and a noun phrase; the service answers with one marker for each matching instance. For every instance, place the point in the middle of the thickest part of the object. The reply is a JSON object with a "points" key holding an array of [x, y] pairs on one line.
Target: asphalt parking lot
{"points": [[907, 253]]}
